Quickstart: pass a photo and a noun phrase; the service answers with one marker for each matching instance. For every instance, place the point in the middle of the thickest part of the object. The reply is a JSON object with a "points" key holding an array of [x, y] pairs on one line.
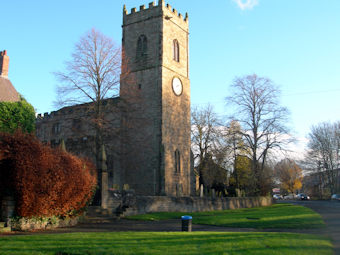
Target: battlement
{"points": [[78, 110], [47, 116], [152, 7], [141, 8], [179, 15]]}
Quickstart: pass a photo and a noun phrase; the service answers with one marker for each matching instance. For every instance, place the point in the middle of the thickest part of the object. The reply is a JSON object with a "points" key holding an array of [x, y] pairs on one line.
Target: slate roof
{"points": [[7, 92]]}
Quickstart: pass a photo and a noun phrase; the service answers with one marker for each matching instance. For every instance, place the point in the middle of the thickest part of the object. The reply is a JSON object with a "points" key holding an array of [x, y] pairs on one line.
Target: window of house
{"points": [[76, 125], [176, 50], [56, 128], [55, 143], [142, 47], [177, 161]]}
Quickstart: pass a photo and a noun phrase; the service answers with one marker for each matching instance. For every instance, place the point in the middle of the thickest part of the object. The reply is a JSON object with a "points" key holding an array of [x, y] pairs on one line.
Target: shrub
{"points": [[43, 181], [14, 115]]}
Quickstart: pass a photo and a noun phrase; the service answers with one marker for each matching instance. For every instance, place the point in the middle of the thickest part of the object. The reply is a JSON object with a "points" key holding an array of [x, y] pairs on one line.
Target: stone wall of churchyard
{"points": [[149, 204]]}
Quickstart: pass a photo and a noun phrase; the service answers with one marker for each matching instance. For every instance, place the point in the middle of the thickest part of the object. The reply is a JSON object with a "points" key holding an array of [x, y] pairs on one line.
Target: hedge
{"points": [[43, 181], [17, 115]]}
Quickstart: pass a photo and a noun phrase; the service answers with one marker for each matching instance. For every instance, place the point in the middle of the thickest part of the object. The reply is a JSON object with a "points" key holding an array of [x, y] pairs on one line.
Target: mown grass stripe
{"points": [[276, 216], [167, 243]]}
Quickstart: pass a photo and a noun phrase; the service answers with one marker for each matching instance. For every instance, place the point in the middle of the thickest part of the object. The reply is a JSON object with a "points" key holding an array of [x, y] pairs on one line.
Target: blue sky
{"points": [[296, 43]]}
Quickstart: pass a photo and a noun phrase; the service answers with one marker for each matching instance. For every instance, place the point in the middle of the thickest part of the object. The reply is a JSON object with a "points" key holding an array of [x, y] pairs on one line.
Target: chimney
{"points": [[4, 63]]}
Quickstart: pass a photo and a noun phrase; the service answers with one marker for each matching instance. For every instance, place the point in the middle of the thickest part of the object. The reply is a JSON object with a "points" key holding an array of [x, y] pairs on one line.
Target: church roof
{"points": [[7, 91]]}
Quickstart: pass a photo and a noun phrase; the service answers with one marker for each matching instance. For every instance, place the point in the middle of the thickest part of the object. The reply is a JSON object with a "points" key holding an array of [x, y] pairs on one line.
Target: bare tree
{"points": [[92, 75], [206, 138], [324, 154], [204, 131], [262, 119]]}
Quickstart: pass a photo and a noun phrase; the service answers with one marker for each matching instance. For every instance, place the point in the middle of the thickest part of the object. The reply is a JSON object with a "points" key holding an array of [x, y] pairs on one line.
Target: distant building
{"points": [[148, 142], [7, 90], [318, 183]]}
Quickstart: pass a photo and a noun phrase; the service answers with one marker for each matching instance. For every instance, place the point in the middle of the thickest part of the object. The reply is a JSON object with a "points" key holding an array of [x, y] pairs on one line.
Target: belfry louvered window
{"points": [[142, 47], [177, 161], [176, 50]]}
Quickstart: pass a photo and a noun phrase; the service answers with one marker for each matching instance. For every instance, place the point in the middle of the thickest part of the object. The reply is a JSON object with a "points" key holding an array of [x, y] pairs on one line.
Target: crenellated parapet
{"points": [[175, 13], [154, 10], [76, 110], [141, 8], [45, 116], [66, 111]]}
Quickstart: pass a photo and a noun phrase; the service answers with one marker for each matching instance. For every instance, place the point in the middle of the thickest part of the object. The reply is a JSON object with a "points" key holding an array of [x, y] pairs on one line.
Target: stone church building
{"points": [[147, 128]]}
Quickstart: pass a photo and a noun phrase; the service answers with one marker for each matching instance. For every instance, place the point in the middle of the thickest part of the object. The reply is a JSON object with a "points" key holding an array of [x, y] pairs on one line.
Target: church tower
{"points": [[155, 86]]}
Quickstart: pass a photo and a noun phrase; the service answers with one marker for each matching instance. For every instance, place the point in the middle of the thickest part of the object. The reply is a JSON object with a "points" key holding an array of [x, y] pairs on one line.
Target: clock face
{"points": [[177, 86]]}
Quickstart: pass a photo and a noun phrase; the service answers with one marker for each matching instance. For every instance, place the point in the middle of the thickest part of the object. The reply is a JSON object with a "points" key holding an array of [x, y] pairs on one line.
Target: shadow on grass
{"points": [[168, 243], [285, 216]]}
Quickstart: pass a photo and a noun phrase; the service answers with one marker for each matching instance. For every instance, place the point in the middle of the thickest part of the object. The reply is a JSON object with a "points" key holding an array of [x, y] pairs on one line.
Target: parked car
{"points": [[289, 197], [302, 196], [335, 197], [277, 197]]}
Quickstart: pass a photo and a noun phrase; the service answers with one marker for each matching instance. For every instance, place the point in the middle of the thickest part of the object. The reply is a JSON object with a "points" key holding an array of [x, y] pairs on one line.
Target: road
{"points": [[330, 212]]}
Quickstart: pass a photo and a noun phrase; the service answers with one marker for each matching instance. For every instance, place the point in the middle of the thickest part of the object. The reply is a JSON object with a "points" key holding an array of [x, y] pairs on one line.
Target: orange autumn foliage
{"points": [[44, 181]]}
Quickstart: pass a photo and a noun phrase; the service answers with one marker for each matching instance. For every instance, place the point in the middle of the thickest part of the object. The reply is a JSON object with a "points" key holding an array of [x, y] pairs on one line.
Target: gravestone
{"points": [[7, 209], [104, 179]]}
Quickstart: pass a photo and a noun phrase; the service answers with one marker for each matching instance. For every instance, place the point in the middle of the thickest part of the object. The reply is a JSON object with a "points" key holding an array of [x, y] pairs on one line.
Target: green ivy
{"points": [[15, 115]]}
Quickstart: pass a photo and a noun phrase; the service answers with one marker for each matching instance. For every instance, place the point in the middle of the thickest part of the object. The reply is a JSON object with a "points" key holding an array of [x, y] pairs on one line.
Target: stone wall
{"points": [[176, 108], [150, 164], [141, 157], [149, 204], [75, 125]]}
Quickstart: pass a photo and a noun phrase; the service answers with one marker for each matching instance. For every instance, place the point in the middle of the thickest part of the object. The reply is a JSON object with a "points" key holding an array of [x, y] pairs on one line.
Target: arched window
{"points": [[56, 129], [176, 50], [177, 161], [142, 47]]}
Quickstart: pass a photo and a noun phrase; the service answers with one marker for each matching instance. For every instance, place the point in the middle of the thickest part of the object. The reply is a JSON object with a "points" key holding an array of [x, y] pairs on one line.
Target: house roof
{"points": [[7, 91]]}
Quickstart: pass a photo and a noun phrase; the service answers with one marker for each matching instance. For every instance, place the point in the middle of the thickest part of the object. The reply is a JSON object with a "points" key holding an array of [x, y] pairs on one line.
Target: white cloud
{"points": [[246, 4]]}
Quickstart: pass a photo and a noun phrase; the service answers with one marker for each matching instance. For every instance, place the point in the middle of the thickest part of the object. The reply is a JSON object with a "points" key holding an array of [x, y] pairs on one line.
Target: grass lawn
{"points": [[166, 243], [286, 216]]}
